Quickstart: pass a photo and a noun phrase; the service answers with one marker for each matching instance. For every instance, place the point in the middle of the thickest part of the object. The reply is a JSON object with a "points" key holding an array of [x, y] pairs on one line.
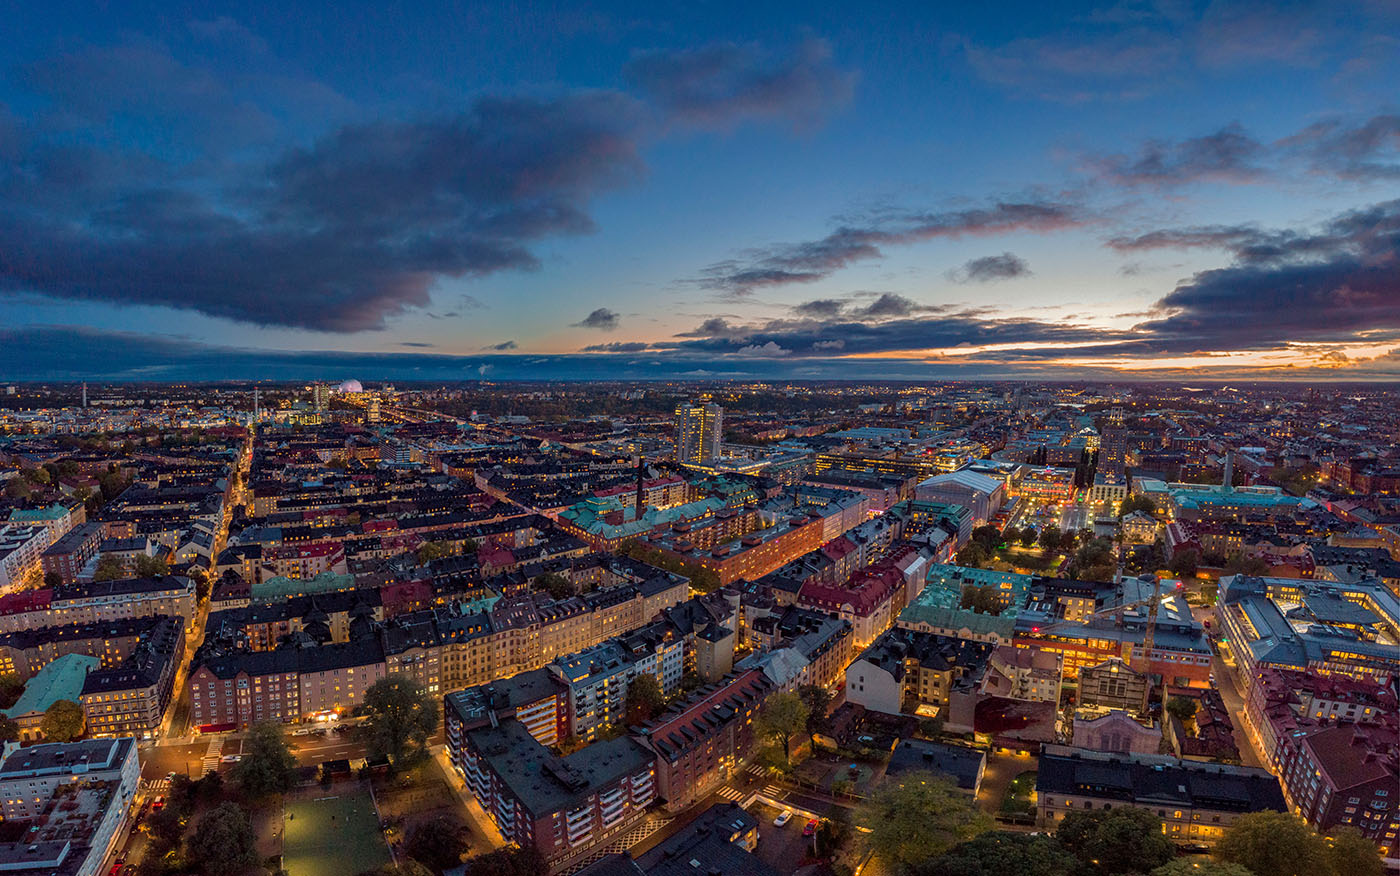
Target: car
{"points": [[159, 803], [810, 827], [783, 818], [231, 758]]}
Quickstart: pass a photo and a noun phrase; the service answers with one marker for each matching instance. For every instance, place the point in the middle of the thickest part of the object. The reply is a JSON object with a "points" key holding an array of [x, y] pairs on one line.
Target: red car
{"points": [[810, 827]]}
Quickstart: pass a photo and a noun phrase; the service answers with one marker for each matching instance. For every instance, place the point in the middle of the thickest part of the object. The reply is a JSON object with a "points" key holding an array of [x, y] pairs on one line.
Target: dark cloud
{"points": [[820, 308], [887, 305], [1368, 150], [725, 82], [337, 236], [415, 344], [1339, 283], [860, 331], [1228, 155], [1007, 266], [815, 260], [503, 346], [602, 318], [617, 347]]}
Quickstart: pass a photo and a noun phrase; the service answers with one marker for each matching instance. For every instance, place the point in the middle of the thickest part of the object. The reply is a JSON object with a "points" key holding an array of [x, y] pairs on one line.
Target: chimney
{"points": [[1229, 478]]}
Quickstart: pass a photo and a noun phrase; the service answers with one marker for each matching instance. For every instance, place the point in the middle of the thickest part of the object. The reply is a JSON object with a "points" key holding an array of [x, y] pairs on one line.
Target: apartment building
{"points": [[76, 837], [563, 807], [67, 556], [130, 699], [95, 601], [21, 548], [1196, 801], [701, 743]]}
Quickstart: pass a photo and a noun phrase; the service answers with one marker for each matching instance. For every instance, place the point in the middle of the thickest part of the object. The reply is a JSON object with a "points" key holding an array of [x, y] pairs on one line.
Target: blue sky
{"points": [[1130, 189]]}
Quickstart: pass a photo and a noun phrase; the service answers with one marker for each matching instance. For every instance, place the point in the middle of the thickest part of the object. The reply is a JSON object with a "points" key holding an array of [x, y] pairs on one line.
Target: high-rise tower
{"points": [[699, 430]]}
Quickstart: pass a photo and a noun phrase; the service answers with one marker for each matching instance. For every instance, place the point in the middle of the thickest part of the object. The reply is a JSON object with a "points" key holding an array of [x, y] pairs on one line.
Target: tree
{"points": [[1183, 563], [1001, 852], [63, 721], [53, 579], [982, 599], [223, 842], [555, 585], [1273, 844], [433, 550], [973, 555], [782, 717], [9, 729], [406, 867], [517, 861], [918, 817], [18, 488], [151, 567], [644, 699], [437, 843], [1137, 503], [1352, 854], [987, 536], [267, 767], [1049, 538], [1183, 708], [818, 700], [1029, 536], [1197, 867], [400, 717], [1126, 840], [109, 568]]}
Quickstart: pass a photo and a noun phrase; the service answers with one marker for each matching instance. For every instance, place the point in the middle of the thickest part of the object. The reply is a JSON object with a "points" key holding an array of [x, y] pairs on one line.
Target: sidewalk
{"points": [[480, 820]]}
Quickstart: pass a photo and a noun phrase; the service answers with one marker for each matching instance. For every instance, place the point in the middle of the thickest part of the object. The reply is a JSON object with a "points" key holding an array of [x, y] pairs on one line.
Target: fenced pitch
{"points": [[334, 833]]}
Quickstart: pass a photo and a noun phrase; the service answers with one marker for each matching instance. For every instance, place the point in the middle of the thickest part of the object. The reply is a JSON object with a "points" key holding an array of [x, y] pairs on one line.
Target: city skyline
{"points": [[1119, 191]]}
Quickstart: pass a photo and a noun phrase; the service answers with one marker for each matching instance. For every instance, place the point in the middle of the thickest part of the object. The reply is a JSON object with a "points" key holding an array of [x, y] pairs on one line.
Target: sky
{"points": [[1130, 190]]}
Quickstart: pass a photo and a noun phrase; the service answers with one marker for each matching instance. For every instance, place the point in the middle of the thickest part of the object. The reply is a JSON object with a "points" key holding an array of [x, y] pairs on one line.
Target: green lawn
{"points": [[336, 834]]}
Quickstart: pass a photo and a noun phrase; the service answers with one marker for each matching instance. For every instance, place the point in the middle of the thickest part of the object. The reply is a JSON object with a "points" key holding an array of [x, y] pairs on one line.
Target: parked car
{"points": [[810, 827], [783, 818], [231, 758]]}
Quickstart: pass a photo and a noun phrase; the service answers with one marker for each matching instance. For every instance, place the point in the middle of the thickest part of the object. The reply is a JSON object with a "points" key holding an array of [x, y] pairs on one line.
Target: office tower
{"points": [[699, 427], [320, 396]]}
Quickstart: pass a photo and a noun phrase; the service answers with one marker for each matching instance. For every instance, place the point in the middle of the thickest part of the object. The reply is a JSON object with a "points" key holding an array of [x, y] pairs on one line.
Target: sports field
{"points": [[332, 835]]}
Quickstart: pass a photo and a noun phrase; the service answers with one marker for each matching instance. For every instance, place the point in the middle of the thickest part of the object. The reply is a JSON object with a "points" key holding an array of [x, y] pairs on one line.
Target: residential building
{"points": [[562, 806], [1196, 801], [67, 556], [699, 432], [702, 742], [98, 778], [21, 550]]}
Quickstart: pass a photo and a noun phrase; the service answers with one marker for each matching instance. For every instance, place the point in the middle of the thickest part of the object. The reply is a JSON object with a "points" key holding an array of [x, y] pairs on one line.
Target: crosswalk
{"points": [[155, 786], [729, 793], [757, 771], [210, 762], [772, 791]]}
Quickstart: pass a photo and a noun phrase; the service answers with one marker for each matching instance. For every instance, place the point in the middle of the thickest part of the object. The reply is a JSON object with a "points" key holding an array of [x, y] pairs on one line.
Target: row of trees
{"points": [[923, 825]]}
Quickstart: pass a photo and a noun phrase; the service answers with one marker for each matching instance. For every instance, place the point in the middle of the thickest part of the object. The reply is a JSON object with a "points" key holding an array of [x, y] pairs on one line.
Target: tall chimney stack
{"points": [[1229, 479]]}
